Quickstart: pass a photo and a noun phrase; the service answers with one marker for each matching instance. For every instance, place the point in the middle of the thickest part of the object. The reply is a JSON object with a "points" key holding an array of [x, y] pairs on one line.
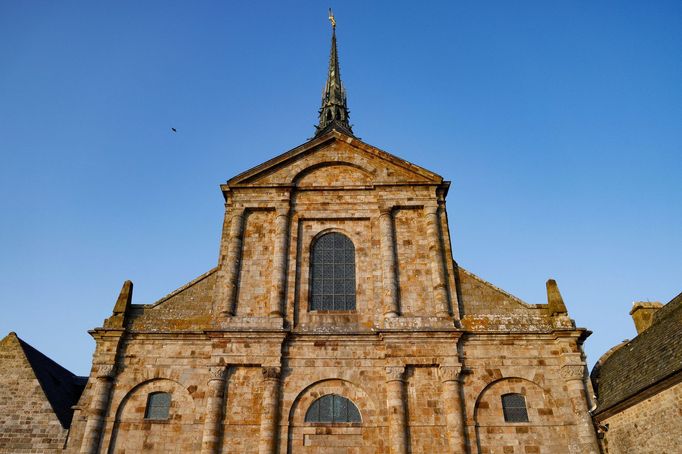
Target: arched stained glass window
{"points": [[514, 408], [158, 406], [332, 409], [333, 273]]}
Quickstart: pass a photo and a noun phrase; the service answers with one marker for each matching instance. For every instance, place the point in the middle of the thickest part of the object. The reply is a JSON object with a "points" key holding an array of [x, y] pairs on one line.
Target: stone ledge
{"points": [[418, 323], [252, 323]]}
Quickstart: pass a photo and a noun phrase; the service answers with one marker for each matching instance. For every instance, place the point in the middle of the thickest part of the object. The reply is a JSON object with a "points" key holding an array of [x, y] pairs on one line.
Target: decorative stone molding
{"points": [[271, 373], [216, 373], [449, 373], [395, 373], [237, 222], [106, 371], [282, 211], [430, 210], [385, 210], [573, 372]]}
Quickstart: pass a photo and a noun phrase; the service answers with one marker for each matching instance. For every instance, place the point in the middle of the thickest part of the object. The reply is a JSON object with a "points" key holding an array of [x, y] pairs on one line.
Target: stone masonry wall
{"points": [[27, 422], [414, 272], [528, 365], [256, 272], [653, 426]]}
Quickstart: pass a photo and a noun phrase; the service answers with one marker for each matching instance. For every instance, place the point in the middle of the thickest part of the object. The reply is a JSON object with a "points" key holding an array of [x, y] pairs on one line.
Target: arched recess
{"points": [[334, 173], [332, 272], [544, 430], [367, 436], [357, 232], [132, 432]]}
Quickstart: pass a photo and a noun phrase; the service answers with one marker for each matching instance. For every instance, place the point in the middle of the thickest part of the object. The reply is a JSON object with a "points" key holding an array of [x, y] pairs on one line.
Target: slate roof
{"points": [[61, 387], [654, 355]]}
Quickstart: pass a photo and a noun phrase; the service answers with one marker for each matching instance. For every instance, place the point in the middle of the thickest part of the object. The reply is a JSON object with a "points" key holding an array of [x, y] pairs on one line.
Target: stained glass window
{"points": [[332, 409], [333, 273], [514, 408], [158, 406]]}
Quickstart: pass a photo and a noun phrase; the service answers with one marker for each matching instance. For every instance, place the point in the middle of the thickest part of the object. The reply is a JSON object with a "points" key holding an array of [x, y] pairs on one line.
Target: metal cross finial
{"points": [[331, 18]]}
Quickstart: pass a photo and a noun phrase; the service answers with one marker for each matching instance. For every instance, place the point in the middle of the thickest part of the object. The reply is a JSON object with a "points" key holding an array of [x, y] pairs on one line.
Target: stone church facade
{"points": [[336, 321]]}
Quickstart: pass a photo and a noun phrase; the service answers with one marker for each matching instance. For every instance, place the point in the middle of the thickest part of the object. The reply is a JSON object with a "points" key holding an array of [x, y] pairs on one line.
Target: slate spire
{"points": [[334, 111]]}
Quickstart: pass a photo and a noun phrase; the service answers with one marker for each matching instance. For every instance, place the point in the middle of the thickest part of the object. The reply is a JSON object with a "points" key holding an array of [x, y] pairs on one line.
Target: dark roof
{"points": [[654, 355], [61, 387]]}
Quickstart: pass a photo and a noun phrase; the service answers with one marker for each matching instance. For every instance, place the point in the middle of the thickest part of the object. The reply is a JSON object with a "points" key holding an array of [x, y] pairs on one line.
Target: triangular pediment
{"points": [[335, 159]]}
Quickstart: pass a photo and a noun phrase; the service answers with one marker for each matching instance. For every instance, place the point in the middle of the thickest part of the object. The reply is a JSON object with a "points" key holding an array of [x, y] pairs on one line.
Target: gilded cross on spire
{"points": [[334, 111], [331, 18]]}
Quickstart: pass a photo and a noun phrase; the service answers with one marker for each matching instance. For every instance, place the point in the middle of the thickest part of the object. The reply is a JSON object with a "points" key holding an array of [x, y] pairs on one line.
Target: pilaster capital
{"points": [[282, 211], [385, 209], [430, 210], [572, 372], [105, 372], [449, 373], [395, 373], [237, 212], [271, 372], [216, 373]]}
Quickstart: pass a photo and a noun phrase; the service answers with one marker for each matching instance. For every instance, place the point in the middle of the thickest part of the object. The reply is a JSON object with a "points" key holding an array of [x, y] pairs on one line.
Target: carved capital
{"points": [[430, 210], [449, 373], [237, 213], [271, 373], [282, 212], [216, 373], [385, 210], [236, 222], [573, 372], [105, 371], [395, 373]]}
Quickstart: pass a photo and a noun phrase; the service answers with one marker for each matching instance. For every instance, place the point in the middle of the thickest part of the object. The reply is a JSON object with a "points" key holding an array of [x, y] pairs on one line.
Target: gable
{"points": [[479, 297], [35, 387], [335, 159]]}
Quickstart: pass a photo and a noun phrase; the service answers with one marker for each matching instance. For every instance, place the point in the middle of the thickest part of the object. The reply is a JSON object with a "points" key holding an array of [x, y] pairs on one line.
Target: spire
{"points": [[334, 111]]}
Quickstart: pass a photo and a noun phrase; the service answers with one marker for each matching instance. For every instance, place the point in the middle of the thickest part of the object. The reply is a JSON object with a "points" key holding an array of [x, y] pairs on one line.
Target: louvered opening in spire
{"points": [[334, 112]]}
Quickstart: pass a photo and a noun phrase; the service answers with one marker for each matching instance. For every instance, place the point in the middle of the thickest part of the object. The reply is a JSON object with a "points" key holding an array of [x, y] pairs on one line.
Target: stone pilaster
{"points": [[210, 440], [279, 261], [231, 264], [395, 401], [268, 419], [574, 375], [454, 410], [436, 257], [388, 261], [97, 410]]}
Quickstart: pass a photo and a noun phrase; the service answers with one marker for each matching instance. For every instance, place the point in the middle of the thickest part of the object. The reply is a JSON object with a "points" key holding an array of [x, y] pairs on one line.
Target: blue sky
{"points": [[558, 123]]}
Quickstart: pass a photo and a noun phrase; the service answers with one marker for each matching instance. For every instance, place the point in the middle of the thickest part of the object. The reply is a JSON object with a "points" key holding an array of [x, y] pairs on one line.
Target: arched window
{"points": [[332, 409], [333, 273], [514, 408], [158, 406]]}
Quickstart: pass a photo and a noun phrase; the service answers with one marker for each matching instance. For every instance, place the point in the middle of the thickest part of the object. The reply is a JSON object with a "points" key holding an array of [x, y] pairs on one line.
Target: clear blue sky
{"points": [[558, 123]]}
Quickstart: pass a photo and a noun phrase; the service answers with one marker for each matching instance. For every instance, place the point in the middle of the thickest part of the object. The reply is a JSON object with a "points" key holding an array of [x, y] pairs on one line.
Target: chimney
{"points": [[643, 314]]}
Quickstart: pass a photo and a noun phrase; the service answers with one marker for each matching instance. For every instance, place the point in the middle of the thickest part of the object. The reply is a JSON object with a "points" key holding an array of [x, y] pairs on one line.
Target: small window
{"points": [[158, 406], [332, 409], [332, 274], [514, 408]]}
